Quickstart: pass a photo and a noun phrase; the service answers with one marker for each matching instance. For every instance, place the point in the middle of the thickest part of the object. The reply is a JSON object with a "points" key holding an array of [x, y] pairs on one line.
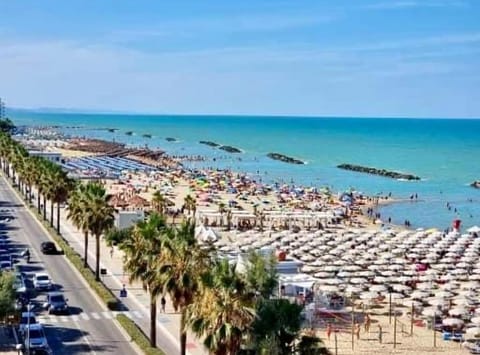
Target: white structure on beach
{"points": [[125, 219], [52, 156]]}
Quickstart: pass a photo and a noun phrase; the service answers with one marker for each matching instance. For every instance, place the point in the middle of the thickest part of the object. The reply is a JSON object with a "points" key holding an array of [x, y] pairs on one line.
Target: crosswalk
{"points": [[86, 316]]}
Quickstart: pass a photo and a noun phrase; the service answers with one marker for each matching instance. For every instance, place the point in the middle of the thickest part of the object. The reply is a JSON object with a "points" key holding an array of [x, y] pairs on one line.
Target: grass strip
{"points": [[137, 335]]}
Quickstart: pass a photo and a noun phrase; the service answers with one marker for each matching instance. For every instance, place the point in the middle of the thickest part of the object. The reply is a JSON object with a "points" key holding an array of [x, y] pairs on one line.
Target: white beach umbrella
{"points": [[437, 301], [475, 320], [329, 288], [378, 288], [368, 295], [417, 294], [425, 286], [444, 294], [452, 322], [353, 289], [457, 311], [401, 288], [474, 229], [431, 311], [474, 332]]}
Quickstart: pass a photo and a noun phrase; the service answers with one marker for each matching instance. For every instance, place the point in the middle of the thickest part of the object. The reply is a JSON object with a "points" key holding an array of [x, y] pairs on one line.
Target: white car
{"points": [[41, 281], [35, 338]]}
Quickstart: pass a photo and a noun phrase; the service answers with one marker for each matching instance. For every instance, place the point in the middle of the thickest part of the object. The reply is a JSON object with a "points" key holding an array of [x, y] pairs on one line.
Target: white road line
{"points": [[137, 314], [84, 316], [95, 315], [107, 315], [64, 319], [75, 317]]}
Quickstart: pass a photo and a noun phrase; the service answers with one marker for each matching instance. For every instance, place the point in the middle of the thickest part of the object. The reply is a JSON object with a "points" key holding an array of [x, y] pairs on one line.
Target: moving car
{"points": [[41, 281], [26, 319], [48, 248], [35, 338], [56, 303]]}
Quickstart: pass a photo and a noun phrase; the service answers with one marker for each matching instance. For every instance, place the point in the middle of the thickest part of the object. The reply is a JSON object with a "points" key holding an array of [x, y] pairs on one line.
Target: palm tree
{"points": [[100, 216], [77, 213], [60, 191], [142, 248], [224, 311], [180, 265], [159, 202], [190, 204]]}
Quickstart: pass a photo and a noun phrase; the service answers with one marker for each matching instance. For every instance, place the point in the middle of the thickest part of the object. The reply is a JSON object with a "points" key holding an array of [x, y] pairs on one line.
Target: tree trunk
{"points": [[29, 195], [183, 334], [38, 202], [85, 245], [153, 321], [97, 262], [58, 217], [44, 208], [51, 213]]}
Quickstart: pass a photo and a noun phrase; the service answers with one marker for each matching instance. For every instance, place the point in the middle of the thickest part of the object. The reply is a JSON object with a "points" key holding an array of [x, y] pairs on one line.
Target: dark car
{"points": [[48, 248], [56, 303]]}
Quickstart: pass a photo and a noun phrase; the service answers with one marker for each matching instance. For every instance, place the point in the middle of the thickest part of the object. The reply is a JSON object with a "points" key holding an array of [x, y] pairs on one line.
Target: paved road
{"points": [[89, 328]]}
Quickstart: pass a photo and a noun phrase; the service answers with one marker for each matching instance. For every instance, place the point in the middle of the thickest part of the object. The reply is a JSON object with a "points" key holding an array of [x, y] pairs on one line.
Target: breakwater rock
{"points": [[210, 144], [284, 158], [171, 139], [381, 172], [230, 149], [129, 133], [147, 135], [475, 184]]}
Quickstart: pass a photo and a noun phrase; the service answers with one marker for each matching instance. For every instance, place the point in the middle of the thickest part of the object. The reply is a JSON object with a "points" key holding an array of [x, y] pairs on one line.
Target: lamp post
{"points": [[29, 309], [390, 290]]}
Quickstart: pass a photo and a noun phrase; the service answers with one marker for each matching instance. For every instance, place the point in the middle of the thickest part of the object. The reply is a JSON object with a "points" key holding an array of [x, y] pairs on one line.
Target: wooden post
{"points": [[411, 321], [390, 308], [353, 322], [434, 332], [394, 328]]}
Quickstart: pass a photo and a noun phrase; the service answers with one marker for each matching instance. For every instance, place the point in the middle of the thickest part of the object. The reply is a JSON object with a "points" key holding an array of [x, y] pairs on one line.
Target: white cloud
{"points": [[406, 4]]}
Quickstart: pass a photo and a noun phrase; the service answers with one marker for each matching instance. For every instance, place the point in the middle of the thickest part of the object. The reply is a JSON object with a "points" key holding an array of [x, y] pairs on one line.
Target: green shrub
{"points": [[137, 335]]}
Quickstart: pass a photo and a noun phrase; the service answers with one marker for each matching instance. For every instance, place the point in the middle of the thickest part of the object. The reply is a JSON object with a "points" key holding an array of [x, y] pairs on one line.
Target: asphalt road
{"points": [[88, 328]]}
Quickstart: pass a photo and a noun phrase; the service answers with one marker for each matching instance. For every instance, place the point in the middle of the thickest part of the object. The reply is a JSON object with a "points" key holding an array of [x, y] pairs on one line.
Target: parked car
{"points": [[56, 303], [48, 248], [41, 281], [6, 265], [27, 318], [35, 338]]}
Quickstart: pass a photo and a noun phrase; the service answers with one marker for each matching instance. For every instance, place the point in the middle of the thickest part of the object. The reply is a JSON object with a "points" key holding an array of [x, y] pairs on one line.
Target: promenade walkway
{"points": [[137, 300]]}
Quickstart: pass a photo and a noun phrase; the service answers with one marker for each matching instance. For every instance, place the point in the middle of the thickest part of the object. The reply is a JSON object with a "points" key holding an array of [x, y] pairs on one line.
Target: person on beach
{"points": [[368, 321], [329, 331], [357, 330]]}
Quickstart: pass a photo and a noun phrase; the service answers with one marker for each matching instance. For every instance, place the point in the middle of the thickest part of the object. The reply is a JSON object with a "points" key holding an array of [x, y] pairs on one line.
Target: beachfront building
{"points": [[52, 156]]}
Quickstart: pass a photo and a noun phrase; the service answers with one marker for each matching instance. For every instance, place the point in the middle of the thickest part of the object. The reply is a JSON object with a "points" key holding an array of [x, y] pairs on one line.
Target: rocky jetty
{"points": [[230, 149], [210, 143], [171, 139], [147, 135], [475, 184], [381, 172], [284, 158], [129, 133]]}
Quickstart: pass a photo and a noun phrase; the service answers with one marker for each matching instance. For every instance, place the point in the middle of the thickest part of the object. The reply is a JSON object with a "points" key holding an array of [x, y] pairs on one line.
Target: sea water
{"points": [[444, 153]]}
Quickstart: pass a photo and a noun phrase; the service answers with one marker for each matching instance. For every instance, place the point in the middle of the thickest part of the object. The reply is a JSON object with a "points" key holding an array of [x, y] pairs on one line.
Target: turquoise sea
{"points": [[444, 153]]}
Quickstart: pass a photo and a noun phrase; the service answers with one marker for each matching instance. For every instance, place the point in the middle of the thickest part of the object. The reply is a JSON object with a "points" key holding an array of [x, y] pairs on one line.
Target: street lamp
{"points": [[29, 309]]}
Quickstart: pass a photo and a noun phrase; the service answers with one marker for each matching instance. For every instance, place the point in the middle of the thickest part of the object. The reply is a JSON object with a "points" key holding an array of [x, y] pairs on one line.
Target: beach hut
{"points": [[137, 202]]}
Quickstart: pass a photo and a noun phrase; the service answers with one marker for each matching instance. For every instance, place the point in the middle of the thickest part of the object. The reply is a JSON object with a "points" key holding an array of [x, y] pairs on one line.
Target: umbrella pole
{"points": [[390, 307], [411, 321], [394, 329], [353, 321], [434, 333]]}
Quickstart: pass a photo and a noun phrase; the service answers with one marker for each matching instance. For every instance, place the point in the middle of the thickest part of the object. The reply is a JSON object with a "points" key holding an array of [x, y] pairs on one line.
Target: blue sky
{"points": [[404, 58]]}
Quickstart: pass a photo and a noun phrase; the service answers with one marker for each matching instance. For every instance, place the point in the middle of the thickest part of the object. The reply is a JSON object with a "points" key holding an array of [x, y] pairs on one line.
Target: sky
{"points": [[365, 58]]}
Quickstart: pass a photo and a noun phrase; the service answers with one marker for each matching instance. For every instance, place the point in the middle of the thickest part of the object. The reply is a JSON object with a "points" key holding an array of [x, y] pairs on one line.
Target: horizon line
{"points": [[56, 111]]}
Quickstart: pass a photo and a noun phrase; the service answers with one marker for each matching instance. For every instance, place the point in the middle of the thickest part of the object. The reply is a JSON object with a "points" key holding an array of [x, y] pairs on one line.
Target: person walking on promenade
{"points": [[329, 331], [367, 324], [163, 302]]}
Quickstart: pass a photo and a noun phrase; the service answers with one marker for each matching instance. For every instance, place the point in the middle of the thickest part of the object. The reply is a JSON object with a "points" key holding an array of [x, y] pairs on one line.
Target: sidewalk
{"points": [[168, 324]]}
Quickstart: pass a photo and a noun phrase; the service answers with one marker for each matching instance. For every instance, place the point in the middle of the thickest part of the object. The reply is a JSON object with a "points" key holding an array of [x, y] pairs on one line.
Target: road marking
{"points": [[137, 314], [64, 319], [75, 317], [95, 315], [84, 316], [107, 315]]}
